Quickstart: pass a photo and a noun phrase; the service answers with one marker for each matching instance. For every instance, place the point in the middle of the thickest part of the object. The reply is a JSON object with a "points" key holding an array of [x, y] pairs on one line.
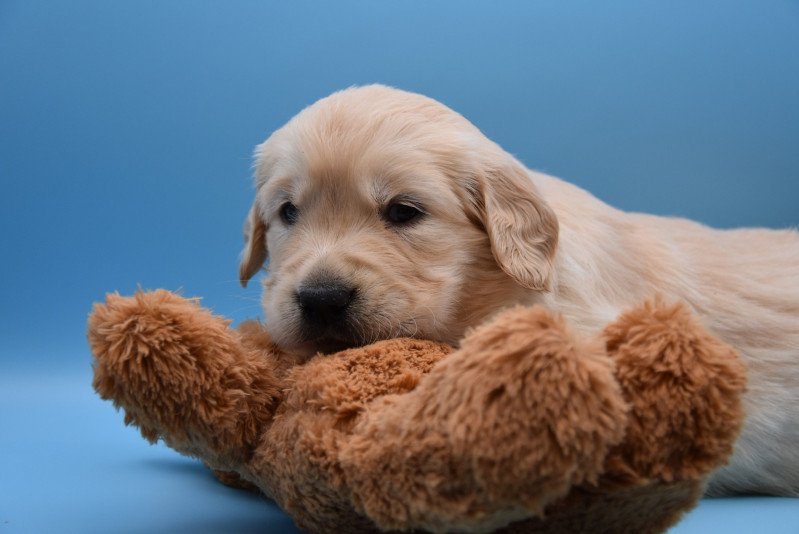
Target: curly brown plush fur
{"points": [[525, 428]]}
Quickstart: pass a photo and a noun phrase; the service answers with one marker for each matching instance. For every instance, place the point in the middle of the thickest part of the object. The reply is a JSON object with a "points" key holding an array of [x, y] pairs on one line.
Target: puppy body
{"points": [[745, 285], [489, 233]]}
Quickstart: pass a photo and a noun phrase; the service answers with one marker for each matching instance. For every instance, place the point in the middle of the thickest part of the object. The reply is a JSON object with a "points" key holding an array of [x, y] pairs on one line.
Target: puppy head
{"points": [[385, 214]]}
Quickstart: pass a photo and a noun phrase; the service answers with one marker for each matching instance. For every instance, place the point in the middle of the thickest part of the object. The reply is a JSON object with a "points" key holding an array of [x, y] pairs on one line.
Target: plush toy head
{"points": [[525, 428]]}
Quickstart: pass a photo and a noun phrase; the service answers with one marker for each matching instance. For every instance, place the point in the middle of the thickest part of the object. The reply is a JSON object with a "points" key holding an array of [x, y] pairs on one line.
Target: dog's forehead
{"points": [[369, 180], [371, 144], [353, 164]]}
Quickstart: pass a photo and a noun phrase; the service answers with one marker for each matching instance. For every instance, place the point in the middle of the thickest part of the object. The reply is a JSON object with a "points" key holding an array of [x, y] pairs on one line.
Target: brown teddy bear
{"points": [[526, 427]]}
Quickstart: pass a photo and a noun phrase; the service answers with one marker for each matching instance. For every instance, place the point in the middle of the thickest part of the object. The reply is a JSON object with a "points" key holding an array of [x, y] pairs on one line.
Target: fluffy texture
{"points": [[527, 427], [494, 234]]}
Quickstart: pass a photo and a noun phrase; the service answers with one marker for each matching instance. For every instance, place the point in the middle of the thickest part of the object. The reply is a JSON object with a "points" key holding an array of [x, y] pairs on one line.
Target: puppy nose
{"points": [[324, 302]]}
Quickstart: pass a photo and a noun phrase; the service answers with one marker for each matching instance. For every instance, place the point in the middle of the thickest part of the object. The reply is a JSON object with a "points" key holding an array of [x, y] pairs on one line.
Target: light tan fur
{"points": [[494, 234]]}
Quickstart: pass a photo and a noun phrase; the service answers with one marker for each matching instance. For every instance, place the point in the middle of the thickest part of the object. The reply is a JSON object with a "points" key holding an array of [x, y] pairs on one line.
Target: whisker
{"points": [[433, 316]]}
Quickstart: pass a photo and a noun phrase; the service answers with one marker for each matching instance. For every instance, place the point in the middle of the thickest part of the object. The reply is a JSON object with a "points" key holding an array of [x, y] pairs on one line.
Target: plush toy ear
{"points": [[254, 254], [522, 228]]}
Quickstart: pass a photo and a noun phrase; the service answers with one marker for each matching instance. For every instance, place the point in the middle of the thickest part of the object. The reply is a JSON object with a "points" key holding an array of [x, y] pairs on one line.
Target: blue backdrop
{"points": [[126, 128]]}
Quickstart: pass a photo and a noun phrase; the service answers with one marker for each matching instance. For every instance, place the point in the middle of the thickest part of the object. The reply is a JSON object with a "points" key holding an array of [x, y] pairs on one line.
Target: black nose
{"points": [[324, 303]]}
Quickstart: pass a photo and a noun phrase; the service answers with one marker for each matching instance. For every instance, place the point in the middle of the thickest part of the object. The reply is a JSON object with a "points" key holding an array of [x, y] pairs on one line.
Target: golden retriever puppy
{"points": [[384, 213]]}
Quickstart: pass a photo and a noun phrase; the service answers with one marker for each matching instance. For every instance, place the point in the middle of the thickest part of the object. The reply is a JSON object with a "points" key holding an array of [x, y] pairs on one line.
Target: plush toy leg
{"points": [[684, 387], [181, 375], [499, 429], [234, 480]]}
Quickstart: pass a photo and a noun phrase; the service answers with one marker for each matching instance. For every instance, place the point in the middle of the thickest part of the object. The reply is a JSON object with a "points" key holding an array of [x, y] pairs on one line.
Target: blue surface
{"points": [[69, 465], [126, 130]]}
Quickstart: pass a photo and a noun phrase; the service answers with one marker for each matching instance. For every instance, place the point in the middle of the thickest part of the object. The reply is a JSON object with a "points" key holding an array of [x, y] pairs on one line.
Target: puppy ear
{"points": [[254, 254], [522, 228]]}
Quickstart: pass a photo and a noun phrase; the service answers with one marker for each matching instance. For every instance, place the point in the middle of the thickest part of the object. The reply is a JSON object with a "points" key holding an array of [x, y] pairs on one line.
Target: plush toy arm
{"points": [[182, 375], [684, 387], [497, 430]]}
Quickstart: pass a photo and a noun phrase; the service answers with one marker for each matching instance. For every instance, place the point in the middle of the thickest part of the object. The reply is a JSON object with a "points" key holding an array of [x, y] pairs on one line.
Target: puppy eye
{"points": [[289, 213], [402, 213]]}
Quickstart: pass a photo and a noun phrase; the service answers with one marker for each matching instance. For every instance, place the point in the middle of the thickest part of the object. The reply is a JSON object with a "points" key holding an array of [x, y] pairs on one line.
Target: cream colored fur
{"points": [[493, 234]]}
